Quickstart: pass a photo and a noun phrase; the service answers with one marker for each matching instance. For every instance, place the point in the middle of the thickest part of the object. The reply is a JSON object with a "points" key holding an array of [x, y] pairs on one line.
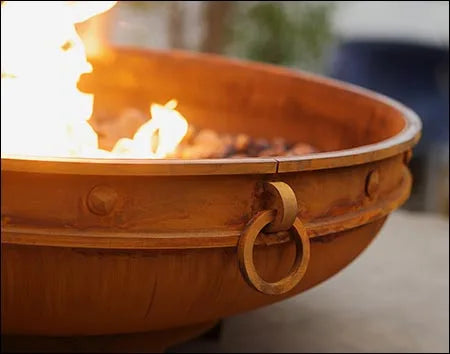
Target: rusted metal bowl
{"points": [[108, 247]]}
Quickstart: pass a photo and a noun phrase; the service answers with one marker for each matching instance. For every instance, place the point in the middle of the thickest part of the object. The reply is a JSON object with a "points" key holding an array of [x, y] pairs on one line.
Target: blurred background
{"points": [[398, 48]]}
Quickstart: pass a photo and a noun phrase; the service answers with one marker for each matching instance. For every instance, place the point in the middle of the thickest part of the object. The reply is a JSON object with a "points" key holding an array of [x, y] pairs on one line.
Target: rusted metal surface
{"points": [[372, 183], [247, 265], [138, 245], [281, 198], [185, 212], [101, 200]]}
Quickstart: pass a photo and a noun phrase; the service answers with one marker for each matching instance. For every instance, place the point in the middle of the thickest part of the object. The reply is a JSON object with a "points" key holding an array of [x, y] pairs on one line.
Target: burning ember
{"points": [[44, 114]]}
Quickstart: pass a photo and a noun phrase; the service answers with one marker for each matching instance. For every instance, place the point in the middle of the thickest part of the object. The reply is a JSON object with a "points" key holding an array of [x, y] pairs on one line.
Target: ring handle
{"points": [[245, 255]]}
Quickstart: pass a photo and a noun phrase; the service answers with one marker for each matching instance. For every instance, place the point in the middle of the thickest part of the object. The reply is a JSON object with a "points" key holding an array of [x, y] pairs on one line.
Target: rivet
{"points": [[407, 156], [372, 183], [101, 200]]}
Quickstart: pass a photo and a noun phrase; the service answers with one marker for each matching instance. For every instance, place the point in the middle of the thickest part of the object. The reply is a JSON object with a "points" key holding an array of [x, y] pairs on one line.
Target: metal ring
{"points": [[245, 255], [282, 200]]}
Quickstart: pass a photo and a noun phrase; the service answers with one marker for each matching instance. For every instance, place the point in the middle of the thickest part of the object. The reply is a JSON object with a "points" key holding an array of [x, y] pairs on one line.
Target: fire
{"points": [[158, 137], [42, 111]]}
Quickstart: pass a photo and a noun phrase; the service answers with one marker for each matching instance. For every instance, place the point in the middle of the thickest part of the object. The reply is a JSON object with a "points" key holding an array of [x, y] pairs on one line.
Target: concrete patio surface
{"points": [[393, 298]]}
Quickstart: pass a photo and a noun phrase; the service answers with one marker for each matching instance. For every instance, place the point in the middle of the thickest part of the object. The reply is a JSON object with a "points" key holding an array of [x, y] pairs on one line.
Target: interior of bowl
{"points": [[347, 124], [237, 97]]}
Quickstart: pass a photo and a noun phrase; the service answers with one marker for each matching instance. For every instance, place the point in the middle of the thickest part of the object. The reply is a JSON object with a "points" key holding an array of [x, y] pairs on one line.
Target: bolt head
{"points": [[372, 183], [101, 200]]}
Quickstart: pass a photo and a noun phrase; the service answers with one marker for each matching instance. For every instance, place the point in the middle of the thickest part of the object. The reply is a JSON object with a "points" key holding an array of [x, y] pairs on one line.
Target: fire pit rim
{"points": [[399, 143]]}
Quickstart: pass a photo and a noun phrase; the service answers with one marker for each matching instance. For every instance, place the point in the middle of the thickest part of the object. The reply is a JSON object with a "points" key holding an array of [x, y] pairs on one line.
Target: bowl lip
{"points": [[394, 145]]}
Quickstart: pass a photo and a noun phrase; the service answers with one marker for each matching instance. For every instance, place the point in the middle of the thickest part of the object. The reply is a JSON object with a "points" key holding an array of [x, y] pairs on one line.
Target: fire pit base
{"points": [[149, 342]]}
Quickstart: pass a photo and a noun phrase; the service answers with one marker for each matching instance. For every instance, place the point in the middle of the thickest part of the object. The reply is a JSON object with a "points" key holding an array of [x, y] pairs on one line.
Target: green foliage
{"points": [[291, 33], [141, 5]]}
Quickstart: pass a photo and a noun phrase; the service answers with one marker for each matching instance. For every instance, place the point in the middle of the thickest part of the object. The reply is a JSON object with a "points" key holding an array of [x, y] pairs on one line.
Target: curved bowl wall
{"points": [[164, 255]]}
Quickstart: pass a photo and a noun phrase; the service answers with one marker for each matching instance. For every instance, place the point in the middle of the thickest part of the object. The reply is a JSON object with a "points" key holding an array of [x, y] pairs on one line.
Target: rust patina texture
{"points": [[114, 247]]}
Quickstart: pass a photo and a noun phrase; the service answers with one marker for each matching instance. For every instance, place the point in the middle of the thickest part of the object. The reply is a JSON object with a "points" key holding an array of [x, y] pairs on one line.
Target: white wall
{"points": [[412, 21]]}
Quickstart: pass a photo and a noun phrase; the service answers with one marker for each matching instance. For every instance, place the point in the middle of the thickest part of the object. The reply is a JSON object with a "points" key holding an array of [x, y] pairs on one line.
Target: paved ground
{"points": [[393, 298]]}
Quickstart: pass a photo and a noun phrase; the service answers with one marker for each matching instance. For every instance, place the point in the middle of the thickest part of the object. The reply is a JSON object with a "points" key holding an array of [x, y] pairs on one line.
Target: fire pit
{"points": [[116, 246], [101, 245]]}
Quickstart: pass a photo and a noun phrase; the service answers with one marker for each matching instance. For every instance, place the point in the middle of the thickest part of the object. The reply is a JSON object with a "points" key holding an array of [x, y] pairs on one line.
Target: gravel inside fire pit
{"points": [[200, 143], [206, 143]]}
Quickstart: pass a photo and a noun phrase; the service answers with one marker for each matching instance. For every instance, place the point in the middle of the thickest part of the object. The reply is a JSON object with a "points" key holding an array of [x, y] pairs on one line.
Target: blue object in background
{"points": [[416, 75]]}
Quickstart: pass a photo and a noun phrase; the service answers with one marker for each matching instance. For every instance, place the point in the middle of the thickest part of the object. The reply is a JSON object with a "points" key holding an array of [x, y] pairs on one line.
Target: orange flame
{"points": [[42, 111]]}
